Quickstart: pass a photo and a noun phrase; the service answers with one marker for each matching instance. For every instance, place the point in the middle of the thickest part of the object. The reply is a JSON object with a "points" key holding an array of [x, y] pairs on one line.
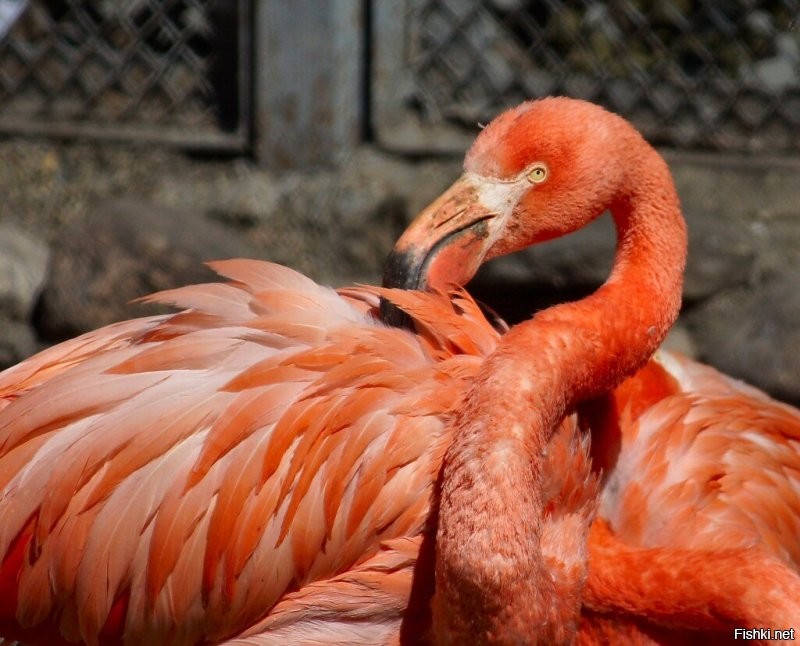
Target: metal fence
{"points": [[163, 70], [696, 74], [689, 73]]}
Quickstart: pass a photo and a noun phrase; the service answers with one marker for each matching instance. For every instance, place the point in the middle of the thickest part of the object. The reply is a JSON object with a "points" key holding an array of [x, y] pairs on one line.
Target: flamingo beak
{"points": [[444, 245]]}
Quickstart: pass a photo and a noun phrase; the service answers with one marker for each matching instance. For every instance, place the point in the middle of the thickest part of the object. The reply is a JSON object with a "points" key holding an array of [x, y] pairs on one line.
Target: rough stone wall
{"points": [[85, 228]]}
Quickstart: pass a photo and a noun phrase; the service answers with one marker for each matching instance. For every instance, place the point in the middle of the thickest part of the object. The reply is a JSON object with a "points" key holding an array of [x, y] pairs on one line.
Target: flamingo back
{"points": [[172, 478], [704, 462]]}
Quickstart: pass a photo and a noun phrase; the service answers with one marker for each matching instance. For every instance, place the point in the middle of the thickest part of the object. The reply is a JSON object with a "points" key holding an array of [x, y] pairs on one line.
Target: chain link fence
{"points": [[690, 73], [161, 70]]}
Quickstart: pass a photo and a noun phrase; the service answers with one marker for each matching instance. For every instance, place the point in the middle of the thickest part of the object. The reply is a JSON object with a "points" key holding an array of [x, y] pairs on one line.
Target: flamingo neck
{"points": [[493, 584]]}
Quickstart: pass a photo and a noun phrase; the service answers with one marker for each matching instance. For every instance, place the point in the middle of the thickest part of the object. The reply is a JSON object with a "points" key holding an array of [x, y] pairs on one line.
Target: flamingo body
{"points": [[254, 469], [169, 479], [699, 511]]}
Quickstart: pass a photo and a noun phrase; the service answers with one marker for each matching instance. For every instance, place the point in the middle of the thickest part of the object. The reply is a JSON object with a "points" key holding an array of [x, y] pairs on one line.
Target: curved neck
{"points": [[492, 583], [612, 333]]}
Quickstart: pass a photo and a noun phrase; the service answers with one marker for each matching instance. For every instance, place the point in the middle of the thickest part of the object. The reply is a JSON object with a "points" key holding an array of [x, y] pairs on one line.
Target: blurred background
{"points": [[139, 138]]}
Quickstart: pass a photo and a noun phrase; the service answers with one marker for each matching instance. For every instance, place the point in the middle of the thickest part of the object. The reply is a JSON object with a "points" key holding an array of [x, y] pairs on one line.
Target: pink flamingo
{"points": [[699, 514], [264, 466]]}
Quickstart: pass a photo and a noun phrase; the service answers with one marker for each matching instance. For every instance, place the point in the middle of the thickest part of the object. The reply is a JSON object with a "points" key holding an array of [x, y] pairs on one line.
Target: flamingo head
{"points": [[538, 171]]}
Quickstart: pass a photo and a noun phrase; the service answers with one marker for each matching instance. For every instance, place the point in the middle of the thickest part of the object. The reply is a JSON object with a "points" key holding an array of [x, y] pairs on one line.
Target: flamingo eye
{"points": [[537, 174]]}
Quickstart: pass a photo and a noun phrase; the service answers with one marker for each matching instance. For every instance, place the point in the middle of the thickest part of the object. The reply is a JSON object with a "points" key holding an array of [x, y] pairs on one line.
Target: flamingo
{"points": [[273, 464], [698, 525]]}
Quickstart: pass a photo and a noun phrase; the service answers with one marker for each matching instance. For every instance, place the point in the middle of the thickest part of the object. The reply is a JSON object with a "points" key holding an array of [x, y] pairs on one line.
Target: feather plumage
{"points": [[155, 471]]}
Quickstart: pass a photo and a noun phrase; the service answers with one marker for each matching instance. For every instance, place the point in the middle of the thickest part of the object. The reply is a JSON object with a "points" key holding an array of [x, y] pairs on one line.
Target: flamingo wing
{"points": [[171, 479], [714, 464], [364, 606], [387, 599], [699, 515]]}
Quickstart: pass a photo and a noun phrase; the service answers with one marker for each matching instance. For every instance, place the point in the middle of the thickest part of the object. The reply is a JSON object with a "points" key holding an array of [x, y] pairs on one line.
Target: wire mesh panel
{"points": [[691, 73], [166, 70]]}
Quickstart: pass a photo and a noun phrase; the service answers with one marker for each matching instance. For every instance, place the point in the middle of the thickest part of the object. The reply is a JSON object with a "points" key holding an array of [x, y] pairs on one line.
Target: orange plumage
{"points": [[170, 479], [699, 514], [254, 465]]}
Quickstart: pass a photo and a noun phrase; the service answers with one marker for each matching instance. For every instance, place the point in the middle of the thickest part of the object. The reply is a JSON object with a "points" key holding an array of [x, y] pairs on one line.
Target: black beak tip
{"points": [[400, 271]]}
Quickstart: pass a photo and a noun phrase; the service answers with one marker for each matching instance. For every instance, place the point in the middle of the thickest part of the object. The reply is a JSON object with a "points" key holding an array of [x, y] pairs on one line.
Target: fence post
{"points": [[308, 81]]}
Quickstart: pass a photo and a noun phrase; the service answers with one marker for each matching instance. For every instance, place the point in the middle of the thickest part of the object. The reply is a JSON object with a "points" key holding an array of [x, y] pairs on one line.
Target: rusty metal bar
{"points": [[309, 81], [210, 140]]}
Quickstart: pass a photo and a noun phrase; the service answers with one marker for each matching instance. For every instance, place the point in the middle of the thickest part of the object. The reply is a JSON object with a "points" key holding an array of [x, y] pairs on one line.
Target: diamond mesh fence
{"points": [[690, 73], [140, 69]]}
